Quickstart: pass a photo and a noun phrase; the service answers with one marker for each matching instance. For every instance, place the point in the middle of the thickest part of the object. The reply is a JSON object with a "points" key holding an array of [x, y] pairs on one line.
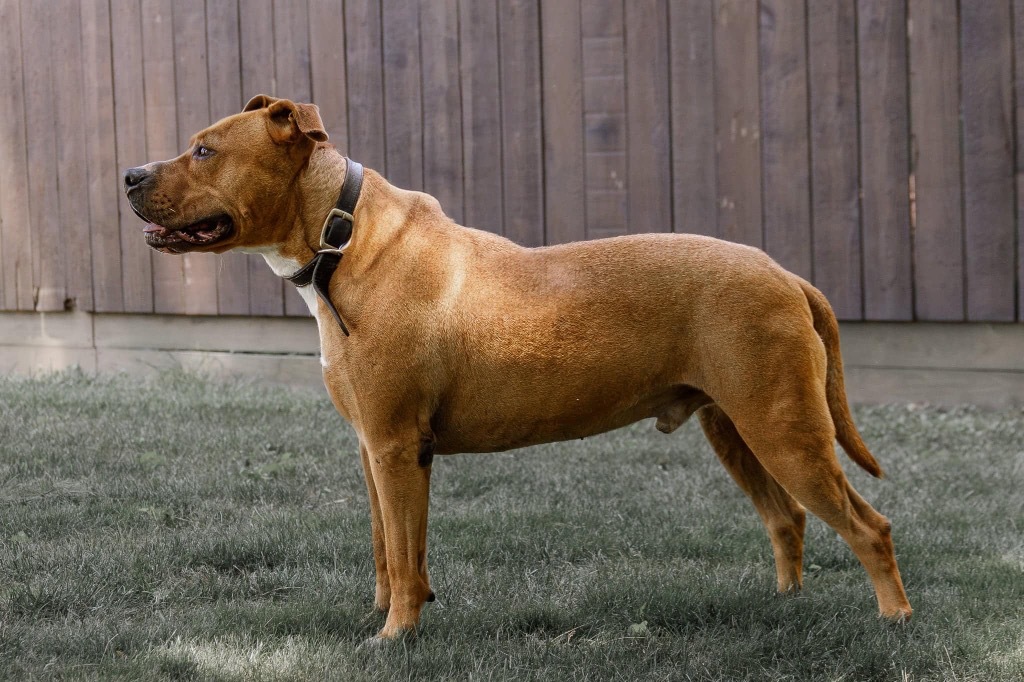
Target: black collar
{"points": [[334, 238]]}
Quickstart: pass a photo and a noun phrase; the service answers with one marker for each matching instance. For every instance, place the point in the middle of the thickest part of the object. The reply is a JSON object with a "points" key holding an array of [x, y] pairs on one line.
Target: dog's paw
{"points": [[788, 591], [899, 617], [386, 638], [375, 642]]}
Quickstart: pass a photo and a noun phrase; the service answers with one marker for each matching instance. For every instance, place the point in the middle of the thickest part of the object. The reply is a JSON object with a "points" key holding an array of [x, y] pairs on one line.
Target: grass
{"points": [[177, 528]]}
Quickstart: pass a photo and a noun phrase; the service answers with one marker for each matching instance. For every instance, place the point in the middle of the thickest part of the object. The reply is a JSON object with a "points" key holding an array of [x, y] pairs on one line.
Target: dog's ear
{"points": [[289, 121], [259, 102]]}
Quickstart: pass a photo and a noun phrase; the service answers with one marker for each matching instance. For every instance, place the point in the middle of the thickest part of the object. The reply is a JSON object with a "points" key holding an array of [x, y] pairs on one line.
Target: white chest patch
{"points": [[284, 267]]}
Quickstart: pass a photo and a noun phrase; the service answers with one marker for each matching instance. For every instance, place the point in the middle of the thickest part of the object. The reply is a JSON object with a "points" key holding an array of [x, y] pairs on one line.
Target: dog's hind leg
{"points": [[783, 516], [795, 444]]}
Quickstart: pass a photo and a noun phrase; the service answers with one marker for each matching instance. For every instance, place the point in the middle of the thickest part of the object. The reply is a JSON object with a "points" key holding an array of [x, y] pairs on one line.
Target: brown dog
{"points": [[462, 341]]}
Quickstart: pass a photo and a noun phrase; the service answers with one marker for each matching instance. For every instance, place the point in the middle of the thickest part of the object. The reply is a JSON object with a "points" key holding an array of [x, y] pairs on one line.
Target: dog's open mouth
{"points": [[200, 233]]}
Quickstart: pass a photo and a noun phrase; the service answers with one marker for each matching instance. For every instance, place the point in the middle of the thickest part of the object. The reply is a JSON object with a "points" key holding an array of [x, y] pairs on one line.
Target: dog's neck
{"points": [[300, 217], [321, 182]]}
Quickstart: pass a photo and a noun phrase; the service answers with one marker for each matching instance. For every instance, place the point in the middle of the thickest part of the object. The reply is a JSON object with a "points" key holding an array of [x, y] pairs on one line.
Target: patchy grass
{"points": [[178, 528]]}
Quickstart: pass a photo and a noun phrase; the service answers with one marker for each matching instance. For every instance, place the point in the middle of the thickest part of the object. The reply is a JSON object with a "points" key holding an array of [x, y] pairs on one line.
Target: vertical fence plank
{"points": [[648, 137], [365, 83], [691, 24], [562, 78], [256, 38], [1018, 61], [481, 114], [601, 18], [292, 73], [885, 202], [16, 235], [162, 135], [835, 207], [72, 163], [9, 48], [98, 109], [519, 24], [130, 124], [737, 114], [935, 159], [224, 73], [266, 290], [327, 66], [988, 159], [604, 116], [784, 135], [48, 277], [191, 81], [224, 63], [442, 104], [403, 115], [291, 50]]}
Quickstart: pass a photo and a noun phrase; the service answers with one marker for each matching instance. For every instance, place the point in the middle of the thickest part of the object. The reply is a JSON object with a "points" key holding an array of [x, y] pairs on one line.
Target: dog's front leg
{"points": [[403, 489], [382, 598]]}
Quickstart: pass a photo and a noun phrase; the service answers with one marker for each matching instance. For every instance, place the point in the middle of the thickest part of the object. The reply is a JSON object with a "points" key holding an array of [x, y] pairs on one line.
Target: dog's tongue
{"points": [[153, 228]]}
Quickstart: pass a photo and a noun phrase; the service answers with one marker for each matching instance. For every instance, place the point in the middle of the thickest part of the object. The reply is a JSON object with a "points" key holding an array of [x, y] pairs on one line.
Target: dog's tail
{"points": [[835, 389]]}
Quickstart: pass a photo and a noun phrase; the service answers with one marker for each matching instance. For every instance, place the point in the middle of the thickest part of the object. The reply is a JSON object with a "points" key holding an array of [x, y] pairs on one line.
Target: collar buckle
{"points": [[325, 245]]}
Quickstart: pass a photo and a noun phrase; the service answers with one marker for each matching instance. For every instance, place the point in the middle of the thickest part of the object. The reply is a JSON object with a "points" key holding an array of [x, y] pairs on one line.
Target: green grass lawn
{"points": [[180, 528]]}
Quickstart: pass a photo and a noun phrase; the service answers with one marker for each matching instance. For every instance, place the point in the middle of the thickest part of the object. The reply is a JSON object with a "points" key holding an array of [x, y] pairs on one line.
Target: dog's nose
{"points": [[133, 177]]}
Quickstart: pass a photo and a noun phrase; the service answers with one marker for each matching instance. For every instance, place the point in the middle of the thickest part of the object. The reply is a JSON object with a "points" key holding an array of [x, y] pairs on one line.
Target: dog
{"points": [[438, 339]]}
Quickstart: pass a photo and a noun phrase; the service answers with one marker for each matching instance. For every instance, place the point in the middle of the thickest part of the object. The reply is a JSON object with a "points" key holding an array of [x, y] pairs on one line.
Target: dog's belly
{"points": [[504, 423]]}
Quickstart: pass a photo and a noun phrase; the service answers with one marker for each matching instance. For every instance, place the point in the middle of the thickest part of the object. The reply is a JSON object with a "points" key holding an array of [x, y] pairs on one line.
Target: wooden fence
{"points": [[868, 145]]}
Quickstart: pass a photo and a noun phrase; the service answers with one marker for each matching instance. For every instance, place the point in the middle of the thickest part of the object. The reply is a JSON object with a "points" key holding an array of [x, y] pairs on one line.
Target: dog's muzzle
{"points": [[172, 239]]}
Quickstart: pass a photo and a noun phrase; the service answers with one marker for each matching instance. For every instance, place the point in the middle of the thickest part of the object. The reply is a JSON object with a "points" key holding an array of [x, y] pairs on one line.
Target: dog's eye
{"points": [[202, 152]]}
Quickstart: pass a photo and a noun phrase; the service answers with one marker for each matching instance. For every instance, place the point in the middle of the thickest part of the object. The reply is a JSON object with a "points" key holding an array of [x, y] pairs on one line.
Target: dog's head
{"points": [[224, 190]]}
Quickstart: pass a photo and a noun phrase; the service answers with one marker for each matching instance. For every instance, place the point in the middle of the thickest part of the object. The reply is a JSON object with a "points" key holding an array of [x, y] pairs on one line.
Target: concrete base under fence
{"points": [[939, 363]]}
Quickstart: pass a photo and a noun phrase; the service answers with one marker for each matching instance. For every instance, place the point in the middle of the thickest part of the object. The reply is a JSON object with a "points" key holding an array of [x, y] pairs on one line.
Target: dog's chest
{"points": [[283, 267]]}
